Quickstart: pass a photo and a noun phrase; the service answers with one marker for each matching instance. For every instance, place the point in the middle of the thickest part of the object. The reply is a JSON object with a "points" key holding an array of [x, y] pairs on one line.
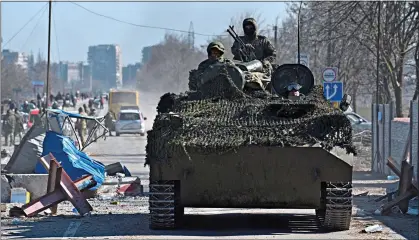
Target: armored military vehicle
{"points": [[223, 145]]}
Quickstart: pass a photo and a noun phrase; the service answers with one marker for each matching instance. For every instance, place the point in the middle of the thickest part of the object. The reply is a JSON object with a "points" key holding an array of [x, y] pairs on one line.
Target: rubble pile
{"points": [[220, 117]]}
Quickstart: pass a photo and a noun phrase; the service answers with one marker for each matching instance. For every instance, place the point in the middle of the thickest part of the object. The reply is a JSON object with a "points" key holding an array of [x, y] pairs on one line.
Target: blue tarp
{"points": [[76, 163]]}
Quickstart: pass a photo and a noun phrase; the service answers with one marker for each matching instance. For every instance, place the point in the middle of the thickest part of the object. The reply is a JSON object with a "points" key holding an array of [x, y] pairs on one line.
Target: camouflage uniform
{"points": [[81, 126], [19, 126], [91, 124], [208, 62], [9, 126], [263, 48], [86, 110]]}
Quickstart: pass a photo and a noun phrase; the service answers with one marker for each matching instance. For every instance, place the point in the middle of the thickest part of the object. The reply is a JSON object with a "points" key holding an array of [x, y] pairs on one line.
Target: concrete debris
{"points": [[120, 186], [3, 207], [26, 155], [36, 184], [5, 158]]}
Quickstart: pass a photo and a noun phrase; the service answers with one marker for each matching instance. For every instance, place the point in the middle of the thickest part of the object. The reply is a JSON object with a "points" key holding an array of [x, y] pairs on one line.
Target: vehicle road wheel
{"points": [[117, 134], [142, 134], [166, 211]]}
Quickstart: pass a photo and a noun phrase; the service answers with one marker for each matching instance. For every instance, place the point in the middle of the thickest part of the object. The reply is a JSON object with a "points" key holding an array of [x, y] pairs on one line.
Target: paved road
{"points": [[129, 219], [128, 149]]}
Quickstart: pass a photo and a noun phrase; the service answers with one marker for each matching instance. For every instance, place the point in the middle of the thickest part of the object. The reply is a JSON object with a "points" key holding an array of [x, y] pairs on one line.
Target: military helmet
{"points": [[217, 45]]}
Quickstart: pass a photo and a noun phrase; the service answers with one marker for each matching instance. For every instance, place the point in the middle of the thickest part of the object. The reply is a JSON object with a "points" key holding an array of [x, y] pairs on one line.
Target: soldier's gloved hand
{"points": [[249, 46], [266, 63]]}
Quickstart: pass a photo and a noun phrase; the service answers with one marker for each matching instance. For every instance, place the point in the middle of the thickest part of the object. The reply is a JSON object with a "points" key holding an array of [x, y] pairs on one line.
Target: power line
{"points": [[139, 25], [34, 28], [36, 14]]}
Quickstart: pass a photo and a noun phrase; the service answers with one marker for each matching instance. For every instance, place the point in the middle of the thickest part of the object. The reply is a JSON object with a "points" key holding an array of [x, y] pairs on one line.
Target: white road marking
{"points": [[72, 229]]}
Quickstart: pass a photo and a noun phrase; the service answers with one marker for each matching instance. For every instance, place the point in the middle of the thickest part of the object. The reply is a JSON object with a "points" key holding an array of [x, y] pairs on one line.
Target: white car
{"points": [[130, 121]]}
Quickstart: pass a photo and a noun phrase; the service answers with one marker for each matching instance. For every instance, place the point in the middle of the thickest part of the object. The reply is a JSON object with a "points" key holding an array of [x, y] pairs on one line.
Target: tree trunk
{"points": [[415, 96], [399, 101], [354, 93], [398, 92]]}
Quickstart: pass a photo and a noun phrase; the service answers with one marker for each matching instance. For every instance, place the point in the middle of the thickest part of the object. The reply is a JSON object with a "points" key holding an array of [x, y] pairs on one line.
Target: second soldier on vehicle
{"points": [[260, 45], [215, 52]]}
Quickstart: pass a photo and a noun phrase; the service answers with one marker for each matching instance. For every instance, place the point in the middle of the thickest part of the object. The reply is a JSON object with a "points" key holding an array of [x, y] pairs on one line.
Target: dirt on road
{"points": [[129, 220]]}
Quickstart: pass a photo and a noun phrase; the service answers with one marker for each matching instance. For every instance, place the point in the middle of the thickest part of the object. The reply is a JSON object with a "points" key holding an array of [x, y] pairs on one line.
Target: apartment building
{"points": [[106, 65]]}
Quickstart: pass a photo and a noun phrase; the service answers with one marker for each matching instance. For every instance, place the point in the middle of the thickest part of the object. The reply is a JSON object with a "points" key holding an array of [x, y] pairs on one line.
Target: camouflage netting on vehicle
{"points": [[221, 117]]}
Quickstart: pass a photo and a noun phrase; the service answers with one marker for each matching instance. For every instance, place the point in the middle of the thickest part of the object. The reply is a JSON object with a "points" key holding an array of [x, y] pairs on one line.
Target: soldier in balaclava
{"points": [[215, 52], [260, 45]]}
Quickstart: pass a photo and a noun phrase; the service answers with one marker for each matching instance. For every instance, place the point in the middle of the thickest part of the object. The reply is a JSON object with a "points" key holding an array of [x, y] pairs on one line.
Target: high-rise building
{"points": [[147, 54], [70, 72], [87, 76], [17, 58], [129, 74], [106, 65]]}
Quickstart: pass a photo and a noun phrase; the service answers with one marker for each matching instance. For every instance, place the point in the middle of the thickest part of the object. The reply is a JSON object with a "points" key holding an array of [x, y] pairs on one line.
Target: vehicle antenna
{"points": [[298, 31]]}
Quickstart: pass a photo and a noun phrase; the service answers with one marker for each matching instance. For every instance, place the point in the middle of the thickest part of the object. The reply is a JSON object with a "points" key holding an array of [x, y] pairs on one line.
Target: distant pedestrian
{"points": [[9, 125], [81, 127], [109, 122], [19, 125]]}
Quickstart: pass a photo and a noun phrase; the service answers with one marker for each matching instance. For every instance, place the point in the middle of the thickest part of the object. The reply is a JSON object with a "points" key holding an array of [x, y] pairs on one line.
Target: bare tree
{"points": [[345, 34], [169, 66], [14, 80]]}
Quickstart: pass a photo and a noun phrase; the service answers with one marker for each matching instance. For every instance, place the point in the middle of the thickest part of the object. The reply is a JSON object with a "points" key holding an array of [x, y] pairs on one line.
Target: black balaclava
{"points": [[246, 22]]}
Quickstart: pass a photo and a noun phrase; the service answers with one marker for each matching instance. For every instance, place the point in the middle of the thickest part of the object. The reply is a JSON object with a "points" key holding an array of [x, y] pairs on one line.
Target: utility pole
{"points": [[1, 58], [329, 42], [49, 54], [276, 33], [191, 36]]}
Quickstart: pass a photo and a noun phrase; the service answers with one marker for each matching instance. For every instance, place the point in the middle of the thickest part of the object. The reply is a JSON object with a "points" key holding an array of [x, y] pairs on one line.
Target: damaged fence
{"points": [[393, 137]]}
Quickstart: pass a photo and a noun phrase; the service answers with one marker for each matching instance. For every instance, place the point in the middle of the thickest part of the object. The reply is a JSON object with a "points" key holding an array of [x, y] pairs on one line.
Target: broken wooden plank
{"points": [[405, 184], [393, 166]]}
